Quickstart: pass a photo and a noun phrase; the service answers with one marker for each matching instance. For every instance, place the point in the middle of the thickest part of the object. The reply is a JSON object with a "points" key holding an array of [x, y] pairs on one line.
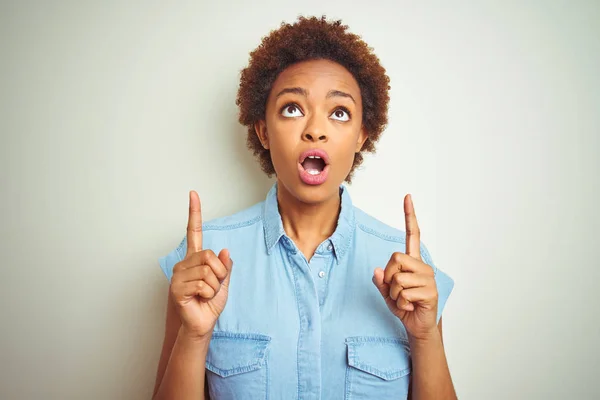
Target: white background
{"points": [[111, 111]]}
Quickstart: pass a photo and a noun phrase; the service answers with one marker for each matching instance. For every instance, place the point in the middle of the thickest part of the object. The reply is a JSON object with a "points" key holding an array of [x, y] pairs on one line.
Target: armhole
{"points": [[443, 281], [168, 262], [444, 284]]}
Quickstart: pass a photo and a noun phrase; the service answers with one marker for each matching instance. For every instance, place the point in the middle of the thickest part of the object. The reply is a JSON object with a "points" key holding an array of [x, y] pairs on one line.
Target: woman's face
{"points": [[313, 128]]}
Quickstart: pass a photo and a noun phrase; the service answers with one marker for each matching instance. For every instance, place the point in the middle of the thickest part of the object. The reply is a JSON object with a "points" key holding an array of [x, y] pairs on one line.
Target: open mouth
{"points": [[314, 165]]}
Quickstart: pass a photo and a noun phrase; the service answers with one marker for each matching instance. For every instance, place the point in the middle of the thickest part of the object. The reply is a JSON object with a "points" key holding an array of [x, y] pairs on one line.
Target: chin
{"points": [[309, 194]]}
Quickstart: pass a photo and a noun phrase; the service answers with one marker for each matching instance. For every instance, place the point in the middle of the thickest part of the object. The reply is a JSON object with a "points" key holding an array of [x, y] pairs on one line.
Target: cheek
{"points": [[347, 147], [349, 156], [278, 154], [282, 143], [345, 153]]}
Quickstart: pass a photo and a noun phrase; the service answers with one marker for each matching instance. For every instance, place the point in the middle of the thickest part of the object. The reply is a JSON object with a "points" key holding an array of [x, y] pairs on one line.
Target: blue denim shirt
{"points": [[294, 329]]}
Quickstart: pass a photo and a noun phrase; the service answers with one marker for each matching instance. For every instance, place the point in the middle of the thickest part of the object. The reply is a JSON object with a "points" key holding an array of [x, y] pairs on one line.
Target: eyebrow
{"points": [[303, 92], [294, 90], [339, 93]]}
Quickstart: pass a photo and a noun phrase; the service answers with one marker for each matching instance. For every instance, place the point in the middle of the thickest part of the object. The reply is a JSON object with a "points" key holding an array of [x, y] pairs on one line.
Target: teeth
{"points": [[313, 172], [314, 157]]}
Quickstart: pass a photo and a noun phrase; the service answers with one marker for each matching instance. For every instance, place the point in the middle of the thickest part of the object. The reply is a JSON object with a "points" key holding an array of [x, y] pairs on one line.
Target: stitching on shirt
{"points": [[356, 342], [179, 250], [348, 380], [387, 375], [216, 227], [330, 264], [347, 237], [397, 239], [268, 377], [300, 320], [257, 361], [219, 227], [240, 335], [376, 339]]}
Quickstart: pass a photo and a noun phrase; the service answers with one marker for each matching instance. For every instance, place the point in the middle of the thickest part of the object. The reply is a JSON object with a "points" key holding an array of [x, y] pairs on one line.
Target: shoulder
{"points": [[228, 228], [384, 238], [376, 229], [381, 235], [219, 233], [241, 219]]}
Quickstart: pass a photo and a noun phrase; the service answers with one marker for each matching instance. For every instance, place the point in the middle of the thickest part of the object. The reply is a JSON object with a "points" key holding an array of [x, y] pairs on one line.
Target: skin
{"points": [[408, 287], [197, 296], [313, 104]]}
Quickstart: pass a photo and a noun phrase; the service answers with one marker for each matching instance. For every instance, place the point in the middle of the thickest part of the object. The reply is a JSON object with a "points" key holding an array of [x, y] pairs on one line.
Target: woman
{"points": [[293, 306]]}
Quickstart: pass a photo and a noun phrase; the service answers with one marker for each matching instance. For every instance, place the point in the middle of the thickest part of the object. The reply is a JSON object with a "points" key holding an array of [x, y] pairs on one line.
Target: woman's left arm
{"points": [[409, 289], [430, 374]]}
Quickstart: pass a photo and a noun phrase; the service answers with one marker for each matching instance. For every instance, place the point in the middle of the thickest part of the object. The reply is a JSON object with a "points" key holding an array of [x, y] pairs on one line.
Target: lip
{"points": [[313, 179]]}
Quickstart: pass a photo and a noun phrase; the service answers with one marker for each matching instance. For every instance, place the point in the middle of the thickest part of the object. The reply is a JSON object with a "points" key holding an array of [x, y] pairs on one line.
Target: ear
{"points": [[362, 138], [260, 127]]}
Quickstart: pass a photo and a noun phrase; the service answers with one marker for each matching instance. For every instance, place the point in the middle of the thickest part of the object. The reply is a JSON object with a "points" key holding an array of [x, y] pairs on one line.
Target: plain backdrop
{"points": [[111, 111]]}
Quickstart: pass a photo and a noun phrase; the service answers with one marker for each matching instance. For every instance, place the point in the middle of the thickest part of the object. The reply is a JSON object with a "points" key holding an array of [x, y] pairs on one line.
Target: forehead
{"points": [[317, 76]]}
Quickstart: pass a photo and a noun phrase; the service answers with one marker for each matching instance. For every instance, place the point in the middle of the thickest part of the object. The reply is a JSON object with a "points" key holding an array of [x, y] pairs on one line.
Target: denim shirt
{"points": [[294, 329]]}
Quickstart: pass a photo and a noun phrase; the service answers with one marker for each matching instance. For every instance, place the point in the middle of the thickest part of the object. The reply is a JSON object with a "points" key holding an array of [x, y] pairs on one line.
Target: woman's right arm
{"points": [[197, 296], [181, 356]]}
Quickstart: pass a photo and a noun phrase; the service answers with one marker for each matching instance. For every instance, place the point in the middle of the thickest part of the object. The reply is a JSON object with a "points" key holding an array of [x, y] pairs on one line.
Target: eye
{"points": [[291, 111], [340, 114]]}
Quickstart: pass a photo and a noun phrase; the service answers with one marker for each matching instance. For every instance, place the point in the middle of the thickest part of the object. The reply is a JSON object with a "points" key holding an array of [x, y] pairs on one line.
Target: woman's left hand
{"points": [[408, 284]]}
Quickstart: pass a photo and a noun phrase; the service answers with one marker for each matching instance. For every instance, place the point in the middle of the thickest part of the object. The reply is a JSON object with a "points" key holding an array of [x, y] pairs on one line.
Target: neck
{"points": [[308, 224]]}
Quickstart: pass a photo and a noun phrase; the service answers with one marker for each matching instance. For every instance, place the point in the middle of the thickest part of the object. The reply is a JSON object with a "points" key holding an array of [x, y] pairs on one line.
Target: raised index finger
{"points": [[194, 227], [413, 234]]}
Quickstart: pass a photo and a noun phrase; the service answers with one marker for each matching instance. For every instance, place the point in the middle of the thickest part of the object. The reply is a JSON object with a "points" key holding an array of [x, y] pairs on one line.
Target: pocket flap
{"points": [[236, 353], [386, 358]]}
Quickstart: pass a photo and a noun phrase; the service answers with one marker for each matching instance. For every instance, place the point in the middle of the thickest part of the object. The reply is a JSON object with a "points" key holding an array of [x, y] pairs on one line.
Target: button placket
{"points": [[320, 266], [309, 355]]}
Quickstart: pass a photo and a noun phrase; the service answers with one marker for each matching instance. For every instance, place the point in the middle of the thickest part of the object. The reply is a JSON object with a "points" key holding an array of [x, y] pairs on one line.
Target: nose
{"points": [[314, 132]]}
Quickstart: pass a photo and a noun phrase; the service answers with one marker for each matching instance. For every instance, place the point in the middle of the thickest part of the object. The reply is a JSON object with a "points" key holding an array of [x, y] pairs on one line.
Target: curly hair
{"points": [[310, 39]]}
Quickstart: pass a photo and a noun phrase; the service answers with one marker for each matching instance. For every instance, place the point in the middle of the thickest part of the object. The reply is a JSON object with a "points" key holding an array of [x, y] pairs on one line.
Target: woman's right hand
{"points": [[200, 282]]}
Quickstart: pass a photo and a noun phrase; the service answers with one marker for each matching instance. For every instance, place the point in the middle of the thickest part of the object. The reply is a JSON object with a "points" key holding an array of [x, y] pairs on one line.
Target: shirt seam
{"points": [[300, 328], [425, 256], [389, 238], [242, 224]]}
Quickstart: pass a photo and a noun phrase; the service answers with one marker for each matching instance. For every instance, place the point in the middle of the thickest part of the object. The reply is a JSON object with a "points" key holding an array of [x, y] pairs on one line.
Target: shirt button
{"points": [[321, 274], [330, 247]]}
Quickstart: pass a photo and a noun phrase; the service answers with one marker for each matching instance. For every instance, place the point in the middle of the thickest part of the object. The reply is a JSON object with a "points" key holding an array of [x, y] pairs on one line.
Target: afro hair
{"points": [[311, 39]]}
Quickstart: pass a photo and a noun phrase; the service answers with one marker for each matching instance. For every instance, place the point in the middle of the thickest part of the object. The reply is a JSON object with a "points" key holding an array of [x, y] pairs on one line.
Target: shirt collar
{"points": [[341, 238]]}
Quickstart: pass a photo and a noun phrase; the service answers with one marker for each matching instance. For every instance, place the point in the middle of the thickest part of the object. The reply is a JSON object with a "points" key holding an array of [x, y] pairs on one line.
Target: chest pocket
{"points": [[237, 365], [377, 368]]}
